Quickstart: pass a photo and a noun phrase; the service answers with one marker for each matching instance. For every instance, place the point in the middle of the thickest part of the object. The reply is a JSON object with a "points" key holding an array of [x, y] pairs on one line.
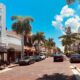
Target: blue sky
{"points": [[42, 11]]}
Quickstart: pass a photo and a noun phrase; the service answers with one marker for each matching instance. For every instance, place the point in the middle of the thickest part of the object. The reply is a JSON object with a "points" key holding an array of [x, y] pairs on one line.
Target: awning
{"points": [[3, 49], [16, 47], [29, 48]]}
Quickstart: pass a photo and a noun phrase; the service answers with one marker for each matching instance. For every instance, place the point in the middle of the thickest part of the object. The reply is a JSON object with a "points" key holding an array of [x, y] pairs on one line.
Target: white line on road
{"points": [[75, 72]]}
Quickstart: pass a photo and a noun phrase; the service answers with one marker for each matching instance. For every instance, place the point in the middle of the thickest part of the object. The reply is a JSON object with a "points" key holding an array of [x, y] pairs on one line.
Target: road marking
{"points": [[7, 69], [75, 72]]}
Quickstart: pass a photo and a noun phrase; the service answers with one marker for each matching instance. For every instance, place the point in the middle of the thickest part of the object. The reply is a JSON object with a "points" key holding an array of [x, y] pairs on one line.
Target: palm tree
{"points": [[71, 1], [68, 39], [37, 38], [49, 44], [21, 25]]}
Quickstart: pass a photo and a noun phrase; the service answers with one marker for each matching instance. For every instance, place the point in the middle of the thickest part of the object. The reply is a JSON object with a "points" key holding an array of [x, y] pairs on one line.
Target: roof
{"points": [[13, 34]]}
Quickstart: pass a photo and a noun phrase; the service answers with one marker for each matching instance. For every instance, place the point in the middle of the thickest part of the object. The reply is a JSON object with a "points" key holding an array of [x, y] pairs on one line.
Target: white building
{"points": [[13, 40], [8, 38], [2, 23]]}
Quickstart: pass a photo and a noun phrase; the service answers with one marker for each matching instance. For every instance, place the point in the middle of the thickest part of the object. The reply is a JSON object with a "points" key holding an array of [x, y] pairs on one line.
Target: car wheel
{"points": [[71, 61], [31, 62], [54, 60]]}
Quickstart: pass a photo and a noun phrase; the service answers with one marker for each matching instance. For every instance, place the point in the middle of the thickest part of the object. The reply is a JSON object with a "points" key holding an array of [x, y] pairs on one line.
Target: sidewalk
{"points": [[12, 65], [9, 67]]}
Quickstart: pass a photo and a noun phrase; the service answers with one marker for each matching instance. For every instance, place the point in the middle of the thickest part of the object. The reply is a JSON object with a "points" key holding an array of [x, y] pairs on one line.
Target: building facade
{"points": [[3, 24]]}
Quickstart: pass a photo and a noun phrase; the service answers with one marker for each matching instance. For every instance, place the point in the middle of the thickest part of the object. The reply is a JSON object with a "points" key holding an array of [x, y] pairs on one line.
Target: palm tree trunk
{"points": [[38, 48], [65, 49], [22, 45]]}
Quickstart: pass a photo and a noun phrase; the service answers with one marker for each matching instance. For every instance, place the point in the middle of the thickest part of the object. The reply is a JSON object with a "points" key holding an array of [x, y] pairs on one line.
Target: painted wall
{"points": [[2, 23], [13, 40]]}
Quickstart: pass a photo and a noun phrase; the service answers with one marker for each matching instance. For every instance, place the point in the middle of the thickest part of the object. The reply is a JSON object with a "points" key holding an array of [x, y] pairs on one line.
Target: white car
{"points": [[42, 56]]}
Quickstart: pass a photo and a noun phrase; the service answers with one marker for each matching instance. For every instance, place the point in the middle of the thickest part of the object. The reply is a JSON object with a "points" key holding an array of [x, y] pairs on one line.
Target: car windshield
{"points": [[27, 57], [57, 54], [75, 55]]}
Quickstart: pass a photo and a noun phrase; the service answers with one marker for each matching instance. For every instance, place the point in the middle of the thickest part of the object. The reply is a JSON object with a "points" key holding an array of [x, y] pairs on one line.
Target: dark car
{"points": [[75, 58], [24, 61], [37, 58], [32, 60], [58, 57], [27, 60]]}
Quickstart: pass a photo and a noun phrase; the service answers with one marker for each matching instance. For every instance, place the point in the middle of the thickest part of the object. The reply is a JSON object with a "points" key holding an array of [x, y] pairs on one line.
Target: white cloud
{"points": [[77, 17], [59, 18], [62, 48], [66, 11], [57, 24], [63, 32], [54, 23], [73, 23], [73, 19]]}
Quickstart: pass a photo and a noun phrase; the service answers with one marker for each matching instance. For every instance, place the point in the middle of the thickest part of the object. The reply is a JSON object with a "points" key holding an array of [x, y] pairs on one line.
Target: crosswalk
{"points": [[75, 71]]}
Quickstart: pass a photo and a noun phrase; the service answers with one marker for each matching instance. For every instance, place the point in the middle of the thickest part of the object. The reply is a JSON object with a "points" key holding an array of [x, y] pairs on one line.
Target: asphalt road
{"points": [[43, 70]]}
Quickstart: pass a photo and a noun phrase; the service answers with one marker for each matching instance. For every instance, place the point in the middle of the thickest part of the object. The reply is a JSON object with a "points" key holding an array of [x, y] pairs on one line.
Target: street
{"points": [[43, 70]]}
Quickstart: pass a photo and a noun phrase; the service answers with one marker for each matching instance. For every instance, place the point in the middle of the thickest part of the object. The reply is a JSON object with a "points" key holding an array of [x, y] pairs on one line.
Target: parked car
{"points": [[37, 58], [24, 61], [32, 60], [75, 58], [58, 57], [27, 60], [42, 56]]}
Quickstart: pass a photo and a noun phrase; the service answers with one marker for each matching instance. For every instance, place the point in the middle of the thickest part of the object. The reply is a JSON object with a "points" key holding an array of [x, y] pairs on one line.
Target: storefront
{"points": [[29, 51], [14, 53], [3, 55]]}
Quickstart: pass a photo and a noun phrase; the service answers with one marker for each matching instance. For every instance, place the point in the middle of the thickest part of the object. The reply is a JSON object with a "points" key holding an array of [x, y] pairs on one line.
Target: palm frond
{"points": [[70, 1], [26, 19]]}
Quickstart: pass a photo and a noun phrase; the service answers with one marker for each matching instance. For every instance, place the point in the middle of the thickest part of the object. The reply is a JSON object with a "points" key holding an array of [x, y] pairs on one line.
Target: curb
{"points": [[4, 70], [13, 65]]}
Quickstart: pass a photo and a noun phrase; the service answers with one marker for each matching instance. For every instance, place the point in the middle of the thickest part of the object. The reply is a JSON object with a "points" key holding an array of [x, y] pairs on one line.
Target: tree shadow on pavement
{"points": [[57, 76]]}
